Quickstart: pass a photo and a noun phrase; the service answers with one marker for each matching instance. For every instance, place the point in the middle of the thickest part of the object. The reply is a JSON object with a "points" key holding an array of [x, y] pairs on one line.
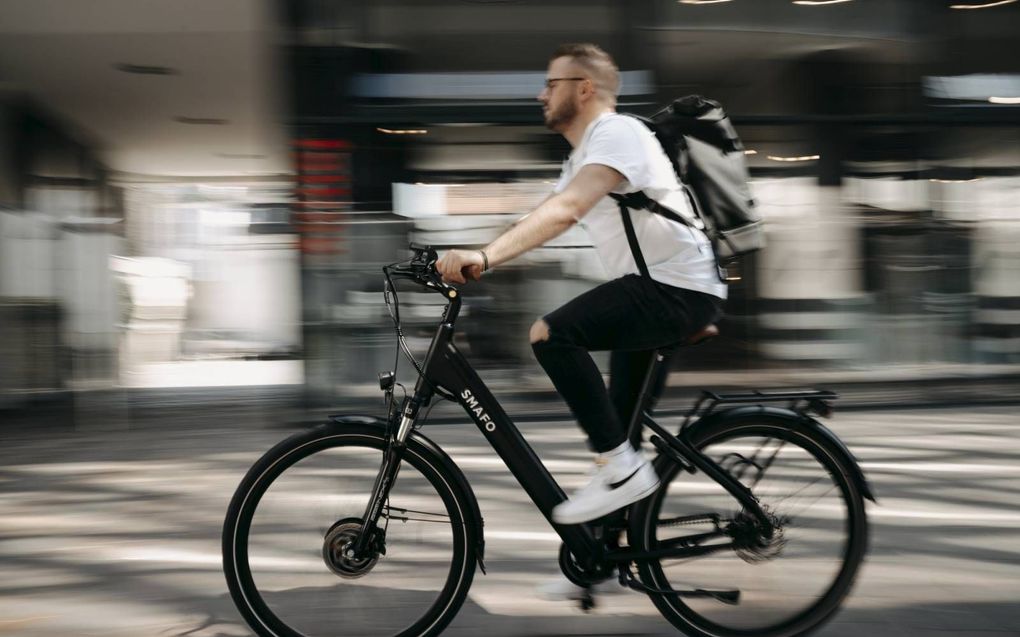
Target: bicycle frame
{"points": [[591, 552], [447, 368]]}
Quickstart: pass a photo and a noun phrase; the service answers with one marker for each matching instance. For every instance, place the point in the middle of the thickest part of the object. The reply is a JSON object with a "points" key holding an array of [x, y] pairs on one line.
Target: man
{"points": [[631, 315]]}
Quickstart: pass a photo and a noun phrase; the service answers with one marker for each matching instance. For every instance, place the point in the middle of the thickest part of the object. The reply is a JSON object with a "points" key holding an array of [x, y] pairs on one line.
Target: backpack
{"points": [[708, 158]]}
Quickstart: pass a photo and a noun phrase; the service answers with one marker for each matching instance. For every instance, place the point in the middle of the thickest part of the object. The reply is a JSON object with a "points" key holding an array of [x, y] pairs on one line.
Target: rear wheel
{"points": [[297, 513], [789, 583]]}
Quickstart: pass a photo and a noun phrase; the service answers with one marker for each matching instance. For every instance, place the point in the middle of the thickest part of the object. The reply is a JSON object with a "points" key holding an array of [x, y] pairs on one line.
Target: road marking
{"points": [[942, 467], [7, 625]]}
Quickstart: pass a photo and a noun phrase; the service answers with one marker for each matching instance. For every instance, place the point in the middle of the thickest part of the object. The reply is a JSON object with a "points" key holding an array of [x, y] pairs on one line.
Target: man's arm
{"points": [[549, 220]]}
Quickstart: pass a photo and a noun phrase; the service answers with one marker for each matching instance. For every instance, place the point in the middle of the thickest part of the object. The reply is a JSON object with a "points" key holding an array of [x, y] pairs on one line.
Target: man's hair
{"points": [[597, 64]]}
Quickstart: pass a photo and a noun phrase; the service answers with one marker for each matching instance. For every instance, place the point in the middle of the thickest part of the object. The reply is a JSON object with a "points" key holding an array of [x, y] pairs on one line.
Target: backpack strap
{"points": [[628, 228], [640, 201]]}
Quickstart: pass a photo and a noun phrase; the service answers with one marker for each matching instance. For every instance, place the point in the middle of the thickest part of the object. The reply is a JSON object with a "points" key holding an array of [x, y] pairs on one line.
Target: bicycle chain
{"points": [[691, 522]]}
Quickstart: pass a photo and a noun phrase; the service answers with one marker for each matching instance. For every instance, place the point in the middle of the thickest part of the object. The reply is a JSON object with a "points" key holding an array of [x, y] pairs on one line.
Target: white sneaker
{"points": [[607, 492], [561, 589]]}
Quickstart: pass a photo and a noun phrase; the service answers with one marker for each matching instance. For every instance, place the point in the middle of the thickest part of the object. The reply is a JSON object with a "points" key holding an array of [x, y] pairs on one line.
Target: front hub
{"points": [[338, 547]]}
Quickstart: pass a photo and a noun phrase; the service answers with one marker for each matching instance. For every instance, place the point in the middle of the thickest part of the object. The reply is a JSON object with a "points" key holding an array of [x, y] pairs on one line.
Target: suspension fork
{"points": [[393, 454]]}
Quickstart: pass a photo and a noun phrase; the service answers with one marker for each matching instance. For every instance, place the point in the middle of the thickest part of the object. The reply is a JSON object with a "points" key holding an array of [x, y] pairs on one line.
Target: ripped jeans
{"points": [[632, 317]]}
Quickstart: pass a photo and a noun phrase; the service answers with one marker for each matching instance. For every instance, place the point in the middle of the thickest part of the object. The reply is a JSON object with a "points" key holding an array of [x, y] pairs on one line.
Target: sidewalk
{"points": [[528, 400], [926, 385]]}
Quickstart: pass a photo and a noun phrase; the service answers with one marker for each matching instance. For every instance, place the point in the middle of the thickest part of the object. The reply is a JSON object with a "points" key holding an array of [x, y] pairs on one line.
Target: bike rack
{"points": [[800, 401]]}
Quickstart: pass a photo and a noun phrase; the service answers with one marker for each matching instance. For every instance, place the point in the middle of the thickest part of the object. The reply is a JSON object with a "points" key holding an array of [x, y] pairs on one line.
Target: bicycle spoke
{"points": [[805, 507], [305, 520], [441, 518]]}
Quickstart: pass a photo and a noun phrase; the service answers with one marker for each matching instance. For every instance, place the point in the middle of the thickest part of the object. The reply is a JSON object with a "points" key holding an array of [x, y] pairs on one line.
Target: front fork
{"points": [[396, 443]]}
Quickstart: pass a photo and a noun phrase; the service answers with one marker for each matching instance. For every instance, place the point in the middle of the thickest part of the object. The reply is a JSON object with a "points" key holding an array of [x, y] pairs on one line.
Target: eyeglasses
{"points": [[551, 82]]}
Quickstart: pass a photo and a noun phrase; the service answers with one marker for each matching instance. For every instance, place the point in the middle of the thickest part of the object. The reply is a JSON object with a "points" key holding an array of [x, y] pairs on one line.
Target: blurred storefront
{"points": [[868, 263], [883, 141], [60, 221]]}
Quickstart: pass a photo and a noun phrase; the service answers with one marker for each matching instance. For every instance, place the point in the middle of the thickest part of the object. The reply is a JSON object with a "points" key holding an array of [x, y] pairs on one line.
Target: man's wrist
{"points": [[485, 260]]}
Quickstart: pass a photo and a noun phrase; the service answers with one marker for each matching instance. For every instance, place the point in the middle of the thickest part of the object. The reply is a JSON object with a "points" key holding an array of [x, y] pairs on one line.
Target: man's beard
{"points": [[559, 119]]}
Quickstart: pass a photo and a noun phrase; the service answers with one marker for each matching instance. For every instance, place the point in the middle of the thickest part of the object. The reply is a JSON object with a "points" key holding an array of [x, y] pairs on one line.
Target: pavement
{"points": [[112, 509]]}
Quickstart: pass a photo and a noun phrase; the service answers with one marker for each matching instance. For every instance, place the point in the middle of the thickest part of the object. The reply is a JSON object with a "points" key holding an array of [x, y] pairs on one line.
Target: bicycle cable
{"points": [[394, 312]]}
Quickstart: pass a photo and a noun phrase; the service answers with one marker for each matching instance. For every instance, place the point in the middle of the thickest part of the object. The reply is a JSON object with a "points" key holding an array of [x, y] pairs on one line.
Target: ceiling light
{"points": [[702, 1], [141, 69], [405, 131], [1004, 100], [954, 181], [801, 158], [818, 3], [987, 5], [200, 121], [750, 151]]}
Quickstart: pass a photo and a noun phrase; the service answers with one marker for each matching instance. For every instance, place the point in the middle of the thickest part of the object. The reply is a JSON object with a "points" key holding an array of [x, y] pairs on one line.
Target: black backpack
{"points": [[708, 158]]}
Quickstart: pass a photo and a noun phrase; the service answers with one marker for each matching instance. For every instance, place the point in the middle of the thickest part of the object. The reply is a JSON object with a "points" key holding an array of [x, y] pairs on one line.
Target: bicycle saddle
{"points": [[706, 333]]}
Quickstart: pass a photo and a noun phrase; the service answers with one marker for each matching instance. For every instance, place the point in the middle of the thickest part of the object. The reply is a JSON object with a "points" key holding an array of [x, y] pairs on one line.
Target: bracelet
{"points": [[485, 260]]}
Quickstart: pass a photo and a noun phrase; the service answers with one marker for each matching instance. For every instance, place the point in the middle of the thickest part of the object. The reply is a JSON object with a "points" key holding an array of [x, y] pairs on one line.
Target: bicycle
{"points": [[759, 527]]}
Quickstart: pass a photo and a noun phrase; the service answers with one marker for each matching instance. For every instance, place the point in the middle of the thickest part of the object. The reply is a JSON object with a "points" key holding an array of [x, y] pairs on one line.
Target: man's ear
{"points": [[586, 91]]}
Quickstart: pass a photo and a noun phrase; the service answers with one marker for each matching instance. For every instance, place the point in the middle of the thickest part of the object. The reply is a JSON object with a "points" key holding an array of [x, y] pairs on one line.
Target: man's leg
{"points": [[627, 314], [579, 381], [631, 314], [627, 371]]}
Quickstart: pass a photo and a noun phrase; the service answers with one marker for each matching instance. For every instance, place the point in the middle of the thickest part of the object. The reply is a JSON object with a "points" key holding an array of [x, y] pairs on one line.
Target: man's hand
{"points": [[455, 265]]}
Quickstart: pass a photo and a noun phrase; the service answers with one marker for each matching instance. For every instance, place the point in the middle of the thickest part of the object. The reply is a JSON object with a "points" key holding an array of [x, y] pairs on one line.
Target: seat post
{"points": [[637, 418]]}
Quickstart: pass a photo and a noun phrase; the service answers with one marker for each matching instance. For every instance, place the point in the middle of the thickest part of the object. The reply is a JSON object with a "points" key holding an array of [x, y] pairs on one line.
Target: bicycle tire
{"points": [[311, 455], [711, 618]]}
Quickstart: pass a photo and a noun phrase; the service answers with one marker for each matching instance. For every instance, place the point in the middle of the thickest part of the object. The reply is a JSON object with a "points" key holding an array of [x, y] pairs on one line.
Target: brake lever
{"points": [[422, 274], [428, 252]]}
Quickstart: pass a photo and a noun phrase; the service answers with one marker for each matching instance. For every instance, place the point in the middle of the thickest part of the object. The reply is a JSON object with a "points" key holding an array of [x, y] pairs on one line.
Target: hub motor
{"points": [[338, 542]]}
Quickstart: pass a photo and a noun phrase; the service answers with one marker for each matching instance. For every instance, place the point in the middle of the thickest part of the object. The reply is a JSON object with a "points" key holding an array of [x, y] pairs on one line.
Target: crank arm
{"points": [[668, 552], [729, 597]]}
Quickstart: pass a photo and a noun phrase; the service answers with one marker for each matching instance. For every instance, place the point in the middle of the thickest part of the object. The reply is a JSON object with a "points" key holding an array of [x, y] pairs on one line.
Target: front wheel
{"points": [[298, 511], [789, 583]]}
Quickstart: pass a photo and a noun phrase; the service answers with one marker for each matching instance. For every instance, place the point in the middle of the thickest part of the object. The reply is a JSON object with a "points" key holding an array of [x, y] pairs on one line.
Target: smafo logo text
{"points": [[478, 410]]}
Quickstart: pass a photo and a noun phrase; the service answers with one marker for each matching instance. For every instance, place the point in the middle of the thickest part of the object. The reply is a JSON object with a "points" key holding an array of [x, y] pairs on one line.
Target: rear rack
{"points": [[802, 402]]}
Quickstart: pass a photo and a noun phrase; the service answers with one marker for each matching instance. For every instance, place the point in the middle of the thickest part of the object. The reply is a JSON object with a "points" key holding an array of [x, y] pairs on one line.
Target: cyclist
{"points": [[630, 315]]}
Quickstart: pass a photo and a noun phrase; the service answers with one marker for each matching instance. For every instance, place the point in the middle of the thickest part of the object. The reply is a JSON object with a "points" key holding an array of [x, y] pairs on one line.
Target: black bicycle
{"points": [[363, 526]]}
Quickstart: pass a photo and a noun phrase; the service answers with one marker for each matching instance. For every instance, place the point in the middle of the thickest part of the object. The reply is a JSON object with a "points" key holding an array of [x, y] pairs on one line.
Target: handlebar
{"points": [[424, 254], [421, 269]]}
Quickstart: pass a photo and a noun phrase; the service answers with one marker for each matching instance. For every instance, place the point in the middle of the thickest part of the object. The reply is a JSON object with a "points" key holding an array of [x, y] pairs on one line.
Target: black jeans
{"points": [[632, 316]]}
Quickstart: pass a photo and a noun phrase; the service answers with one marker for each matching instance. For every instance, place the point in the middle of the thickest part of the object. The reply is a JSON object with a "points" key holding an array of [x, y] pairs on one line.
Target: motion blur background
{"points": [[202, 194]]}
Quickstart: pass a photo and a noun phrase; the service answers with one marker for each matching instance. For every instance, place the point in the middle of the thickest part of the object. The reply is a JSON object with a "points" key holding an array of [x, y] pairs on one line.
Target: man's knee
{"points": [[539, 331]]}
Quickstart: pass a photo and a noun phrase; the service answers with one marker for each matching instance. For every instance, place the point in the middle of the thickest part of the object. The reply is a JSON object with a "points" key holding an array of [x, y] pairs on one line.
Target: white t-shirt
{"points": [[676, 254]]}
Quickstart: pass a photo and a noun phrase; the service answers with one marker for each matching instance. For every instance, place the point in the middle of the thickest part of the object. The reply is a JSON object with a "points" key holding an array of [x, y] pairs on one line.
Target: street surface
{"points": [[113, 529]]}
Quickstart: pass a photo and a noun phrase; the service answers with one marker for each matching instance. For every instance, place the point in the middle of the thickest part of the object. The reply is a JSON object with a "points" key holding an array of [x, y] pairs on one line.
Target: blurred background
{"points": [[201, 194], [197, 198]]}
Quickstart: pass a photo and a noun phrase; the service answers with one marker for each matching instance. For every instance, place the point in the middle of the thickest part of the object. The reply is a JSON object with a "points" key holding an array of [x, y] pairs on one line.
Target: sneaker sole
{"points": [[588, 517]]}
